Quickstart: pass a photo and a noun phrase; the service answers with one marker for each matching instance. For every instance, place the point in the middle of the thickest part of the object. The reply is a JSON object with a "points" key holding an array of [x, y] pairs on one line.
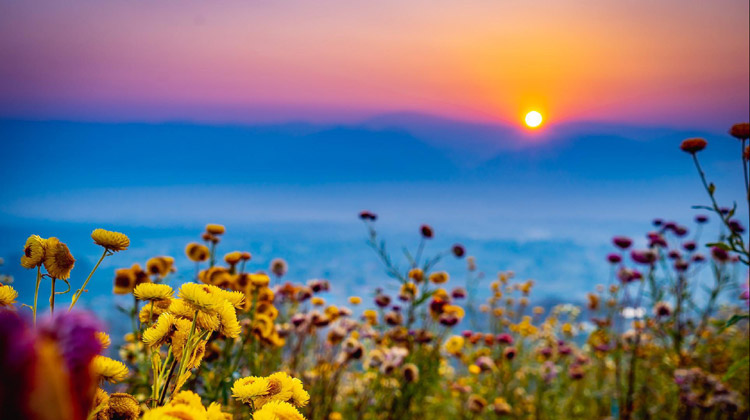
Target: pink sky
{"points": [[670, 62]]}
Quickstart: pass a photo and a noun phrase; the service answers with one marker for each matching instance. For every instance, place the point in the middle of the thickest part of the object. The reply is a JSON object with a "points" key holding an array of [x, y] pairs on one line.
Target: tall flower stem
{"points": [[52, 298], [83, 288], [36, 290]]}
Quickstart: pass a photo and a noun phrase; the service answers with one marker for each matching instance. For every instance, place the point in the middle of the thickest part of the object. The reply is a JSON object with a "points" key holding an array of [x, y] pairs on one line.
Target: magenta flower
{"points": [[622, 242]]}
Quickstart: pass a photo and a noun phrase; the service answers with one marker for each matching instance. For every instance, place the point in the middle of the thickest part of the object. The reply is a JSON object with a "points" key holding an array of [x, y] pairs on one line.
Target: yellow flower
{"points": [[230, 327], [454, 344], [439, 277], [318, 301], [263, 326], [278, 410], [103, 339], [260, 279], [207, 321], [249, 388], [175, 412], [283, 387], [108, 369], [213, 412], [8, 295], [474, 369], [197, 252], [200, 297], [113, 241], [33, 251], [160, 266], [189, 398], [151, 291], [233, 257], [215, 229], [124, 281], [237, 299], [158, 333], [58, 261], [416, 274], [123, 406], [355, 300]]}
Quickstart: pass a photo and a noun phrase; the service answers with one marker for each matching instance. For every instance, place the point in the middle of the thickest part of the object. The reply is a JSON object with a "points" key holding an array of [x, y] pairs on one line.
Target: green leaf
{"points": [[711, 188], [733, 320], [735, 367], [721, 245]]}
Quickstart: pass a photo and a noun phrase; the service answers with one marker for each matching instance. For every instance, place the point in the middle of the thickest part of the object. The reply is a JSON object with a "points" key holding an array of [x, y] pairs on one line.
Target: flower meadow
{"points": [[665, 336]]}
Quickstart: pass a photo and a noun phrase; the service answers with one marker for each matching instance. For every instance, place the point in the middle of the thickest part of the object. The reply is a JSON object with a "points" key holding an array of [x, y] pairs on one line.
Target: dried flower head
{"points": [[113, 241], [58, 261]]}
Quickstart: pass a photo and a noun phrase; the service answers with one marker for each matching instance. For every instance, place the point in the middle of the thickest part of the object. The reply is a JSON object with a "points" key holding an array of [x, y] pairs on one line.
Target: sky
{"points": [[284, 119], [670, 62]]}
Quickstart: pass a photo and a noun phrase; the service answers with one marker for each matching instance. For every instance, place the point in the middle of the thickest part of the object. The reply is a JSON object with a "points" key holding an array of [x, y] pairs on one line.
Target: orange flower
{"points": [[693, 145]]}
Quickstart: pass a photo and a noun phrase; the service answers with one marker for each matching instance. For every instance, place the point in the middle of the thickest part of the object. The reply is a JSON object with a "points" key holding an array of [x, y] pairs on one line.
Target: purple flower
{"points": [[720, 255], [643, 256], [614, 258], [735, 226], [627, 275], [701, 219], [689, 246], [622, 242], [505, 338]]}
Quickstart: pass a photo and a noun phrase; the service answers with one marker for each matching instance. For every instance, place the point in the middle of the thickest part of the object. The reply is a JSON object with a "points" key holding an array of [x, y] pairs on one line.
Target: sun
{"points": [[533, 119]]}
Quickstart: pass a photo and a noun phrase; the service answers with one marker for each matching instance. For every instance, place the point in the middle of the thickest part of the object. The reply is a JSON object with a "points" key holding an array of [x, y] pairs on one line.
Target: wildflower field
{"points": [[653, 341]]}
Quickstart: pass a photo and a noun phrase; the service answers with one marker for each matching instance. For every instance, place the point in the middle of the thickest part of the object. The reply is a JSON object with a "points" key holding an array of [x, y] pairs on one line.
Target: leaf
{"points": [[721, 245], [733, 320], [711, 188], [735, 367]]}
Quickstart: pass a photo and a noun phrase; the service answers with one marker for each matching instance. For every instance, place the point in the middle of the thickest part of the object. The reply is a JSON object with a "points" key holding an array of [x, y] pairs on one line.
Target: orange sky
{"points": [[653, 62]]}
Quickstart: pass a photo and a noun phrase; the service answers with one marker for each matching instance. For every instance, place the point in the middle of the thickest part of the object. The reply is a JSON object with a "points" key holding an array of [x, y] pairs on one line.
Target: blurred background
{"points": [[283, 120]]}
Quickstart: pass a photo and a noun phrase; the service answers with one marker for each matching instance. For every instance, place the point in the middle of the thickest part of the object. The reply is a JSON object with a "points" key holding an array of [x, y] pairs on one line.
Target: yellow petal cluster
{"points": [[113, 241], [8, 295], [33, 251], [58, 261], [152, 291], [108, 369]]}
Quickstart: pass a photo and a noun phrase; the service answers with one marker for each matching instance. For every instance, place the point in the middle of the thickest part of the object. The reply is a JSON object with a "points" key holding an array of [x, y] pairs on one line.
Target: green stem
{"points": [[52, 299], [81, 290], [36, 291]]}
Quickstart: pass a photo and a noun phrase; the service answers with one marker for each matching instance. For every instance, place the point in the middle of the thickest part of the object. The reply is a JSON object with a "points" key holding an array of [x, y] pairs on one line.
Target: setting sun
{"points": [[533, 119]]}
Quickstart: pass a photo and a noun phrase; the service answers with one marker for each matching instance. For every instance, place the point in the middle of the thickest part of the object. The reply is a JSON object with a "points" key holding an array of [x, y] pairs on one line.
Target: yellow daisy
{"points": [[58, 261], [158, 333], [197, 252], [103, 339], [237, 299], [215, 229], [260, 279], [278, 410], [33, 251], [233, 257], [249, 388], [206, 321], [230, 327], [159, 307], [213, 412], [113, 241], [439, 277], [175, 412], [124, 281], [151, 291], [123, 406], [108, 369], [8, 296], [188, 398], [159, 266], [200, 296]]}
